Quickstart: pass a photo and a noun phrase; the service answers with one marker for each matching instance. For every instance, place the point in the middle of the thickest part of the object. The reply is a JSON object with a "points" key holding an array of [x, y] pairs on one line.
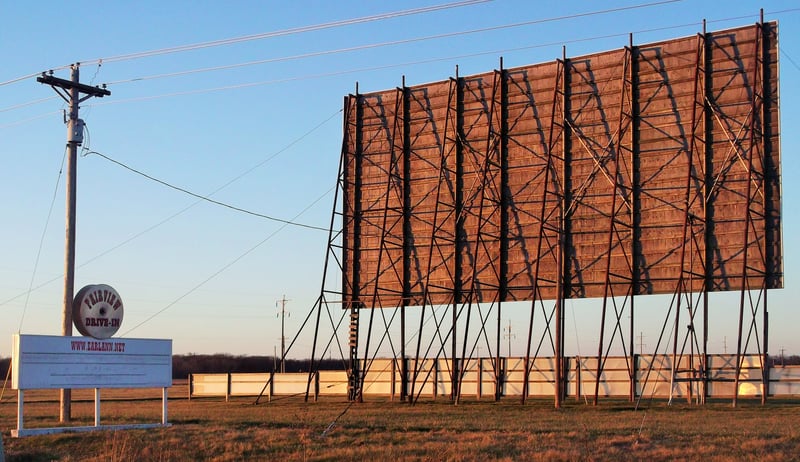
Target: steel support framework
{"points": [[608, 176]]}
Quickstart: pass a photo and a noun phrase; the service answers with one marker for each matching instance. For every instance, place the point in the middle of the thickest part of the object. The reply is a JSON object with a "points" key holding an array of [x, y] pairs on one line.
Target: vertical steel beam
{"points": [[754, 115], [699, 103], [505, 193], [685, 285], [444, 210], [504, 204], [634, 197], [563, 283], [407, 236], [766, 151], [490, 164], [708, 185], [543, 215], [616, 190], [339, 189], [459, 233], [354, 391], [393, 170], [455, 384], [486, 184]]}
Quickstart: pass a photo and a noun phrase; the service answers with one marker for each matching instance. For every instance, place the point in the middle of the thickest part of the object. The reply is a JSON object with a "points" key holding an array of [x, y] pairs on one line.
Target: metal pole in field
{"points": [[283, 338], [69, 251], [72, 90], [509, 336]]}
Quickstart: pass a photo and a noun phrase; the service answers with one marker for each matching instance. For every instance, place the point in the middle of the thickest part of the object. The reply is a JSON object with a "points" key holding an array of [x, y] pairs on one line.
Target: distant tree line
{"points": [[777, 361], [183, 365]]}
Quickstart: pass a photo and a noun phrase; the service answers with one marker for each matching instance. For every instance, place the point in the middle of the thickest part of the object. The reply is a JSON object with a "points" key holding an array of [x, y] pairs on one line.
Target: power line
{"points": [[167, 219], [376, 68], [29, 119], [41, 240], [261, 36], [205, 198], [208, 199], [225, 267], [368, 69], [29, 103], [388, 66], [291, 31], [30, 76], [385, 44], [346, 22], [786, 55], [346, 71]]}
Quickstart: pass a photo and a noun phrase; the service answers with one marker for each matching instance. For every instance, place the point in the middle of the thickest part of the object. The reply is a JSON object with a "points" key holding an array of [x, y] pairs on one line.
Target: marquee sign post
{"points": [[94, 361]]}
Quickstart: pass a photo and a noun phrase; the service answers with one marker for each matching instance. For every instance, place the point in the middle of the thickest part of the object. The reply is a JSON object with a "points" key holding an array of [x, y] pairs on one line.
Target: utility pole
{"points": [[509, 335], [282, 314], [70, 91]]}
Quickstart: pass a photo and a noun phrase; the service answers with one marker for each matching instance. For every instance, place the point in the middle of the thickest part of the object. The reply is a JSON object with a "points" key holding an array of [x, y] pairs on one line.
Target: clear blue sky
{"points": [[242, 135]]}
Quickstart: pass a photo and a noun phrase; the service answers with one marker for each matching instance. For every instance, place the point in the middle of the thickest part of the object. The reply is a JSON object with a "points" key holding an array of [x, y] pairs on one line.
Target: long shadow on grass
{"points": [[33, 457]]}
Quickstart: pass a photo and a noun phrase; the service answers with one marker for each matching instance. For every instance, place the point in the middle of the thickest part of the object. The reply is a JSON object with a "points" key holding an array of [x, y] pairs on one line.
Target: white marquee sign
{"points": [[49, 362], [43, 361]]}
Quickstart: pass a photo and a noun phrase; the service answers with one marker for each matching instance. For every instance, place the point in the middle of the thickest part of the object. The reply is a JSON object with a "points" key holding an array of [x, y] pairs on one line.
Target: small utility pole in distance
{"points": [[509, 336], [283, 315], [70, 91]]}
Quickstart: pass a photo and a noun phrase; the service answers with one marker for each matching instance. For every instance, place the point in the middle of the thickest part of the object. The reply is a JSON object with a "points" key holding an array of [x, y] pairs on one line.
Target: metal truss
{"points": [[442, 222]]}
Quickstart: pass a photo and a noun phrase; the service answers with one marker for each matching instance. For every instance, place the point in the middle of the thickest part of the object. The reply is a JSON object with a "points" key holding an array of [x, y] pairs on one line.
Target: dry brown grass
{"points": [[290, 429]]}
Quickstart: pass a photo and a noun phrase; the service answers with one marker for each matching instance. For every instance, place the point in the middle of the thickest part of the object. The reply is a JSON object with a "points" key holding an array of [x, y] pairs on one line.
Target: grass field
{"points": [[332, 429]]}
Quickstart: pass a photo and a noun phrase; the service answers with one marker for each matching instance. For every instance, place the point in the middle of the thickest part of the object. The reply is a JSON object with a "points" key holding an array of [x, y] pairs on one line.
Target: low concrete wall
{"points": [[479, 378]]}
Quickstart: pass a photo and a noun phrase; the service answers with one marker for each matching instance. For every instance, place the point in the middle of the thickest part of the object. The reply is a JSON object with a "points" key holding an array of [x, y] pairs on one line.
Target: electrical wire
{"points": [[30, 76], [304, 29], [367, 69], [183, 210], [373, 68], [291, 31], [261, 36], [786, 55], [385, 44], [227, 265], [205, 198], [29, 103], [41, 241], [208, 199], [30, 119]]}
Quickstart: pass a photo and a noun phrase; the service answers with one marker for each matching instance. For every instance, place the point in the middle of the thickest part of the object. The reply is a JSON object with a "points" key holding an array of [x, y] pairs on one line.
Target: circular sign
{"points": [[97, 311]]}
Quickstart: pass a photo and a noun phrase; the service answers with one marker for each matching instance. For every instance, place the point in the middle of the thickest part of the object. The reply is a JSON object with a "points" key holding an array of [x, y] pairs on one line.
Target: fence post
{"points": [[392, 383]]}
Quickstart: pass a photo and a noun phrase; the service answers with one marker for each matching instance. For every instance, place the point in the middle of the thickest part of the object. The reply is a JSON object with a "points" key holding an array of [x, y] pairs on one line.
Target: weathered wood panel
{"points": [[659, 161]]}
